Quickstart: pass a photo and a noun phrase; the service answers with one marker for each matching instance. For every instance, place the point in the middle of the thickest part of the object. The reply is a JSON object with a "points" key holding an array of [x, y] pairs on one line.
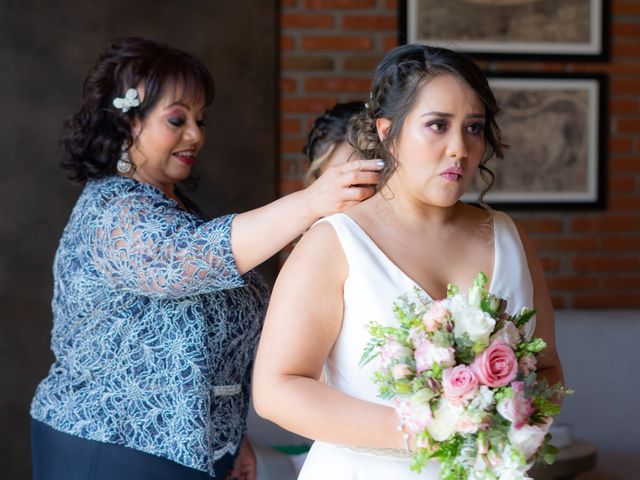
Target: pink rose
{"points": [[497, 366], [400, 370], [427, 353], [435, 316], [516, 409], [459, 383]]}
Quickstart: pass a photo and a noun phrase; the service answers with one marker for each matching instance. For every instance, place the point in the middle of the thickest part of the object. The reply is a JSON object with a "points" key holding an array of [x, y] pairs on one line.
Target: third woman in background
{"points": [[327, 143]]}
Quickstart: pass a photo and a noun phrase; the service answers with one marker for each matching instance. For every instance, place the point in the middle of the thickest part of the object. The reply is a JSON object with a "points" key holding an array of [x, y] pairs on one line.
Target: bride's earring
{"points": [[124, 164]]}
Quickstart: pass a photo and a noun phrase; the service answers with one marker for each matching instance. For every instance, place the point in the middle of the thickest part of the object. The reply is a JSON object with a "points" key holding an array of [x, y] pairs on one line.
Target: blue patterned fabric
{"points": [[154, 331]]}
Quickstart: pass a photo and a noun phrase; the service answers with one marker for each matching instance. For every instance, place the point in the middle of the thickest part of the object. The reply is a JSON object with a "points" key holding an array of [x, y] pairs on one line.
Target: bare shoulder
{"points": [[318, 252]]}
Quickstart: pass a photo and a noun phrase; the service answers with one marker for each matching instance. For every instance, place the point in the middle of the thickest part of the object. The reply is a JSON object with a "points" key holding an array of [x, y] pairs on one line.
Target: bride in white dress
{"points": [[431, 117]]}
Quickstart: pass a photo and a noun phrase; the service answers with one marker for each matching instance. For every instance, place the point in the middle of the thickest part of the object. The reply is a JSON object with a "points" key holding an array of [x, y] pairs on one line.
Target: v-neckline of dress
{"points": [[386, 258]]}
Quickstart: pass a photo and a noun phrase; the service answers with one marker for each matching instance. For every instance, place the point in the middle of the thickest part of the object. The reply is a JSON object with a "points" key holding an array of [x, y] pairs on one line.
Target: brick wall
{"points": [[328, 50]]}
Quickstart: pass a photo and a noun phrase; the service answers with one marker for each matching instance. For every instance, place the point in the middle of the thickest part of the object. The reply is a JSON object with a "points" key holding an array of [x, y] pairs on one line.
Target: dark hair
{"points": [[93, 137], [394, 90], [327, 131]]}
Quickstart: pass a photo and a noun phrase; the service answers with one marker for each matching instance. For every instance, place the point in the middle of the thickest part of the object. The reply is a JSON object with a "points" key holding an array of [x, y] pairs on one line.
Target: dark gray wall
{"points": [[46, 48]]}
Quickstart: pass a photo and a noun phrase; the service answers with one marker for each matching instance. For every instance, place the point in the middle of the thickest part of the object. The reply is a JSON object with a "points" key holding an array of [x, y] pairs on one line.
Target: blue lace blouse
{"points": [[154, 331]]}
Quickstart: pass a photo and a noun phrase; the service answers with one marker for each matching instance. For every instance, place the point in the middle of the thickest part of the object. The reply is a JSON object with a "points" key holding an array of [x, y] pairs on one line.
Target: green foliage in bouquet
{"points": [[482, 429]]}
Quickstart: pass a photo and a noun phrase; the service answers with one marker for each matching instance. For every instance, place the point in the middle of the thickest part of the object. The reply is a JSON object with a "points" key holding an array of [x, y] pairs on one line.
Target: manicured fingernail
{"points": [[380, 163]]}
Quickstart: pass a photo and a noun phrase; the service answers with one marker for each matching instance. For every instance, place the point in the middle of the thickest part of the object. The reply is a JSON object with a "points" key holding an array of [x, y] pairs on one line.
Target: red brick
{"points": [[624, 202], [290, 125], [557, 302], [370, 22], [336, 43], [287, 84], [618, 223], [606, 300], [624, 106], [550, 244], [362, 63], [390, 42], [337, 85], [606, 264], [340, 3], [530, 66], [619, 67], [291, 145], [391, 4], [544, 225], [289, 168], [629, 125], [631, 7], [625, 30], [286, 43], [621, 183], [621, 244], [631, 86], [550, 264], [288, 3], [625, 164], [571, 283], [306, 105], [301, 20], [290, 186], [625, 50], [553, 67], [620, 145], [306, 63], [621, 282]]}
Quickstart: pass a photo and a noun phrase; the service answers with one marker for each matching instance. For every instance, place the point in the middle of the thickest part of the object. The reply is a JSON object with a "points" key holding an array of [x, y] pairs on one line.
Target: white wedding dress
{"points": [[372, 285]]}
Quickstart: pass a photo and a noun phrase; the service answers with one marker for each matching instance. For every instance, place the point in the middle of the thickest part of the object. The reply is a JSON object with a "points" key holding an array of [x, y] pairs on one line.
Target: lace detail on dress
{"points": [[380, 452], [149, 316]]}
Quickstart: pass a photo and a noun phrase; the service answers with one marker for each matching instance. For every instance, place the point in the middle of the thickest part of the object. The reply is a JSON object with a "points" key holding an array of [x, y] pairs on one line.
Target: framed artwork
{"points": [[555, 127], [509, 29]]}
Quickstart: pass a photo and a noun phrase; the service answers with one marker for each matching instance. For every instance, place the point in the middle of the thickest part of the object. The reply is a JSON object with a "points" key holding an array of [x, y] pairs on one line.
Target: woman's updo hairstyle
{"points": [[93, 138], [327, 132], [395, 87]]}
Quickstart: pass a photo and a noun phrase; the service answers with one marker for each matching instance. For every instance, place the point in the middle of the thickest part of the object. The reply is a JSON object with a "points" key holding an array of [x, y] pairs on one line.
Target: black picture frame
{"points": [[454, 22], [556, 128]]}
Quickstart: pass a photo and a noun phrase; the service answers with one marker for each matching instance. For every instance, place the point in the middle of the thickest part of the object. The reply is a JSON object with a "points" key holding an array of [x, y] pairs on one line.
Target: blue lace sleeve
{"points": [[145, 246]]}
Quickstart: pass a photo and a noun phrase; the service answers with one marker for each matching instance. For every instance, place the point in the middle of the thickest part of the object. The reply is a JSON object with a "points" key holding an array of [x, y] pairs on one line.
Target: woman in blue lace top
{"points": [[156, 312]]}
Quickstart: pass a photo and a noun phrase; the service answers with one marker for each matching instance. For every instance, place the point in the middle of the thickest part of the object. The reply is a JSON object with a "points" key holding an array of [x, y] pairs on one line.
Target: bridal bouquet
{"points": [[462, 376]]}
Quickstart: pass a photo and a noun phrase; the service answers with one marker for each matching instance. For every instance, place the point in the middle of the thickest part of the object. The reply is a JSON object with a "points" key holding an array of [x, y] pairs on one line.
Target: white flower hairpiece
{"points": [[129, 100]]}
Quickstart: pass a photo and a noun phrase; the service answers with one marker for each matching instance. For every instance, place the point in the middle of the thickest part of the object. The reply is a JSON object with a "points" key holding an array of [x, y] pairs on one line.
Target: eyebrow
{"points": [[448, 115], [184, 105]]}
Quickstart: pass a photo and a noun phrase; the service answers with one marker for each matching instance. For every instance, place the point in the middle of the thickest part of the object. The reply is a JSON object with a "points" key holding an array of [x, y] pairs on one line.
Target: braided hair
{"points": [[395, 87]]}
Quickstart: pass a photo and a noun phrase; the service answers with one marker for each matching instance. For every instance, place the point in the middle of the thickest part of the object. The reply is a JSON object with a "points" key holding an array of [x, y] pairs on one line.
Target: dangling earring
{"points": [[124, 164]]}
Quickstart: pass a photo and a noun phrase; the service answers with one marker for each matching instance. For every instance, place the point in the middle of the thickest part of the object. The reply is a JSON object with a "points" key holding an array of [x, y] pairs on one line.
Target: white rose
{"points": [[444, 421], [467, 424], [426, 354], [475, 323], [528, 438]]}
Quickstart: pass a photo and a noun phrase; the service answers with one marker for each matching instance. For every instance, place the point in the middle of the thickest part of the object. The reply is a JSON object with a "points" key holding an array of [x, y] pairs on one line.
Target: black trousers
{"points": [[59, 456]]}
